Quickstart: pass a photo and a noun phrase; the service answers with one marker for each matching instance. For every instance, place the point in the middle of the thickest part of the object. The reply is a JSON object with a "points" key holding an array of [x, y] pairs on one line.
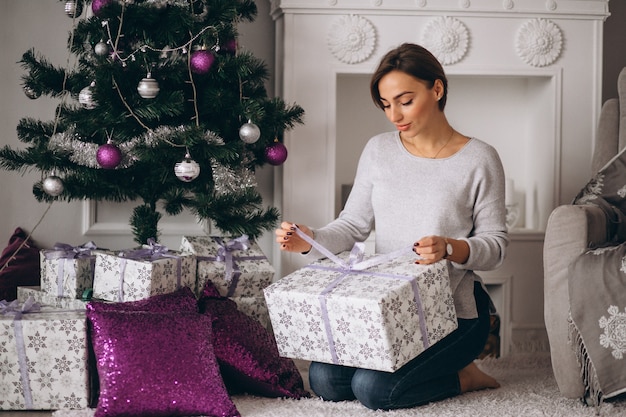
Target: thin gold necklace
{"points": [[440, 149]]}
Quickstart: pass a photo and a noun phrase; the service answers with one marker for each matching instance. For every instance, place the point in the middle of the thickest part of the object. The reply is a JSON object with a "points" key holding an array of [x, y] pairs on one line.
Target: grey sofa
{"points": [[571, 229]]}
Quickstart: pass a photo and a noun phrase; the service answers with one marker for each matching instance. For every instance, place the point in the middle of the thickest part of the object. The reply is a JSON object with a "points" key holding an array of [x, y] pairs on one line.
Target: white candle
{"points": [[509, 192]]}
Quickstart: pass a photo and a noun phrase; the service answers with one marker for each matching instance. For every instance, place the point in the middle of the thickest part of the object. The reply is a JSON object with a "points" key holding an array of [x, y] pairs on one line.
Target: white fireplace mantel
{"points": [[581, 8]]}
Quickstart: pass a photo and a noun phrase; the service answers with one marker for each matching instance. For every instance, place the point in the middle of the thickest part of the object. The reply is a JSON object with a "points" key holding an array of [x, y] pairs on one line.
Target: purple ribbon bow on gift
{"points": [[29, 306], [225, 254], [150, 252], [354, 264], [14, 308], [65, 252]]}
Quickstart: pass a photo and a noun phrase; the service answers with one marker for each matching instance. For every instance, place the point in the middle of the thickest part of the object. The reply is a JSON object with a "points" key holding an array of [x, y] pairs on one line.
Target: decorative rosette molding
{"points": [[539, 42], [447, 38], [351, 39]]}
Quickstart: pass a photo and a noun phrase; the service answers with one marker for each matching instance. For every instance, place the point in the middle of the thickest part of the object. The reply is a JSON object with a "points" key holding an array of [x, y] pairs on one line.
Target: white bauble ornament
{"points": [[85, 97], [187, 170], [249, 132], [31, 93], [53, 185], [101, 48], [148, 87]]}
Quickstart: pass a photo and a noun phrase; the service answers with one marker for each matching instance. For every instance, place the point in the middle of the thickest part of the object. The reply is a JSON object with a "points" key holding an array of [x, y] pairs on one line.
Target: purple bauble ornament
{"points": [[230, 47], [276, 153], [97, 5], [108, 156], [201, 61]]}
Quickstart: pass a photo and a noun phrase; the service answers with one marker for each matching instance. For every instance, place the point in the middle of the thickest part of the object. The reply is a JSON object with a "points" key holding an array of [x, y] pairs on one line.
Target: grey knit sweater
{"points": [[405, 197]]}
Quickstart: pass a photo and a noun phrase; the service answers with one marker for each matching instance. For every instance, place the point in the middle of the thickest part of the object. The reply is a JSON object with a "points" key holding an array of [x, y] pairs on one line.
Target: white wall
{"points": [[44, 26]]}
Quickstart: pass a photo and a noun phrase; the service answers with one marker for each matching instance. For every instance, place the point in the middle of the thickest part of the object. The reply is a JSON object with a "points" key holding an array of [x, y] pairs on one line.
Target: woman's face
{"points": [[408, 102]]}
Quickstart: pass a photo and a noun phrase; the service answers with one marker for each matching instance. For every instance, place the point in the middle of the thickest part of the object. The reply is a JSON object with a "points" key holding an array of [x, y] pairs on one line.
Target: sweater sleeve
{"points": [[489, 238]]}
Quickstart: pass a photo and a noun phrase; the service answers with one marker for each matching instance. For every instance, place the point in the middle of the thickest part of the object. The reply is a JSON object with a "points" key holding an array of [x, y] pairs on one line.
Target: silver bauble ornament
{"points": [[148, 87], [249, 132], [85, 97], [31, 93], [101, 48], [73, 8], [53, 185], [187, 170]]}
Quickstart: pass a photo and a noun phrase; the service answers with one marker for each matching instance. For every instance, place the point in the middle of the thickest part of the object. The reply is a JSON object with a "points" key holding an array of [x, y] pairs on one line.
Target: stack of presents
{"points": [[378, 316]]}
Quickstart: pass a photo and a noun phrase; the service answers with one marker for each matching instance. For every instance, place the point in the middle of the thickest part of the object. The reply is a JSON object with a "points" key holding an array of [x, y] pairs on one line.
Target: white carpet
{"points": [[528, 389]]}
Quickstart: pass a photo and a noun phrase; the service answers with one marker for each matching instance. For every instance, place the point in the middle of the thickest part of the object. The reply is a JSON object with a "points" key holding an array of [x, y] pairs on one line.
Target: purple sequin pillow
{"points": [[246, 352], [182, 299], [157, 364]]}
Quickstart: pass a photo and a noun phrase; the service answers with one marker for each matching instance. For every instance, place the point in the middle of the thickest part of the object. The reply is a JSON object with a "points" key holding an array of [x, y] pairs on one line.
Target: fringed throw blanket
{"points": [[597, 287]]}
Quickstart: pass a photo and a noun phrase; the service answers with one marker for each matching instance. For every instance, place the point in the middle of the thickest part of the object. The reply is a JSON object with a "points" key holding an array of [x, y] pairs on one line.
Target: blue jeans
{"points": [[431, 376]]}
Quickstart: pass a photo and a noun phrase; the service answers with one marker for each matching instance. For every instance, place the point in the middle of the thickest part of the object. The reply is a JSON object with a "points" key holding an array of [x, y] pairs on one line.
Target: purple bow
{"points": [[151, 251], [225, 252], [29, 306], [65, 251]]}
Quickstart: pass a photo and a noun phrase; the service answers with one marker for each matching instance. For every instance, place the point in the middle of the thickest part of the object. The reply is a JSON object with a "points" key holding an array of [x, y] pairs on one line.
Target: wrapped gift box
{"points": [[136, 274], [44, 298], [44, 361], [67, 271], [237, 267], [377, 318]]}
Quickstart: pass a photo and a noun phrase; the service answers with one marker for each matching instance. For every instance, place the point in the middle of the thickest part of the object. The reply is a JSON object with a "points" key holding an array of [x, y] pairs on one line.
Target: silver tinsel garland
{"points": [[84, 153], [227, 180], [231, 181]]}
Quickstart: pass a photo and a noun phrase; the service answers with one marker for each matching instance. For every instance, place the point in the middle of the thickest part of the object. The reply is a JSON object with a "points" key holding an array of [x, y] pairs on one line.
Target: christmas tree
{"points": [[159, 106]]}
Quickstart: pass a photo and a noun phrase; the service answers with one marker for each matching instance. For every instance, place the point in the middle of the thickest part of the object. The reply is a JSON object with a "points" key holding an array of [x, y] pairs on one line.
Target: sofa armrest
{"points": [[570, 230]]}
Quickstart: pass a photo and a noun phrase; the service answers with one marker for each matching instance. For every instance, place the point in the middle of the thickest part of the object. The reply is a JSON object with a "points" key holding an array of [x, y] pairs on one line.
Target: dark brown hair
{"points": [[414, 60]]}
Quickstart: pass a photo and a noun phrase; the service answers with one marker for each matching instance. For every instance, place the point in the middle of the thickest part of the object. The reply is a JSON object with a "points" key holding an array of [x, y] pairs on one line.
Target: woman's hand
{"points": [[289, 241], [432, 249]]}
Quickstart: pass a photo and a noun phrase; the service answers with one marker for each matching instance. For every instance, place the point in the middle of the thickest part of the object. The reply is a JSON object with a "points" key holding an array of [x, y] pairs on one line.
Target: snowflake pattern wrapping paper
{"points": [[237, 267], [43, 361], [67, 271], [51, 300], [378, 318], [122, 278]]}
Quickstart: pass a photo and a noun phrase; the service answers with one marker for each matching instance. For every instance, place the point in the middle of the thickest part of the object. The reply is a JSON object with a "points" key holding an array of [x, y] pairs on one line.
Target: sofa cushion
{"points": [[247, 352], [607, 190], [18, 268], [157, 364]]}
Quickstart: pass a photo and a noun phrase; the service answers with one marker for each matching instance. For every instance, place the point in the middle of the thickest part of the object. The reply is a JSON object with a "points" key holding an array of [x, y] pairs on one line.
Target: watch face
{"points": [[448, 249]]}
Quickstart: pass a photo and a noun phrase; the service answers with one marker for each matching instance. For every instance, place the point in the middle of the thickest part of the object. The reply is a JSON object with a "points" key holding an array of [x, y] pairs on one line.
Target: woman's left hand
{"points": [[430, 249]]}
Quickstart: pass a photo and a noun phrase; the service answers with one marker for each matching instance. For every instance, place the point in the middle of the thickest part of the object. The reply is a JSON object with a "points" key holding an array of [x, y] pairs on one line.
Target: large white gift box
{"points": [[43, 358], [378, 318], [67, 271], [136, 274], [237, 267]]}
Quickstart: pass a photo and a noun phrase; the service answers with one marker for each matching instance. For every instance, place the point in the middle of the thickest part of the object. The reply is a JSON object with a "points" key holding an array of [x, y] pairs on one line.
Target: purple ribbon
{"points": [[150, 252], [225, 254], [14, 308], [64, 253], [356, 264]]}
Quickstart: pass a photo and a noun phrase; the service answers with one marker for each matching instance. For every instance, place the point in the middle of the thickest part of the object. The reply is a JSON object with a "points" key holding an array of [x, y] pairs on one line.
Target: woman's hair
{"points": [[414, 60]]}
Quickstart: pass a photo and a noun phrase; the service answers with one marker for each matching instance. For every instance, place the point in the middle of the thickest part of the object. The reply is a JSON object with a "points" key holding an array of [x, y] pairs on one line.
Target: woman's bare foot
{"points": [[472, 378]]}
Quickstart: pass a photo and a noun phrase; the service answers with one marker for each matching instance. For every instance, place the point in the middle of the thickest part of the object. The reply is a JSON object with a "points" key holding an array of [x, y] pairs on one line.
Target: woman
{"points": [[430, 182]]}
